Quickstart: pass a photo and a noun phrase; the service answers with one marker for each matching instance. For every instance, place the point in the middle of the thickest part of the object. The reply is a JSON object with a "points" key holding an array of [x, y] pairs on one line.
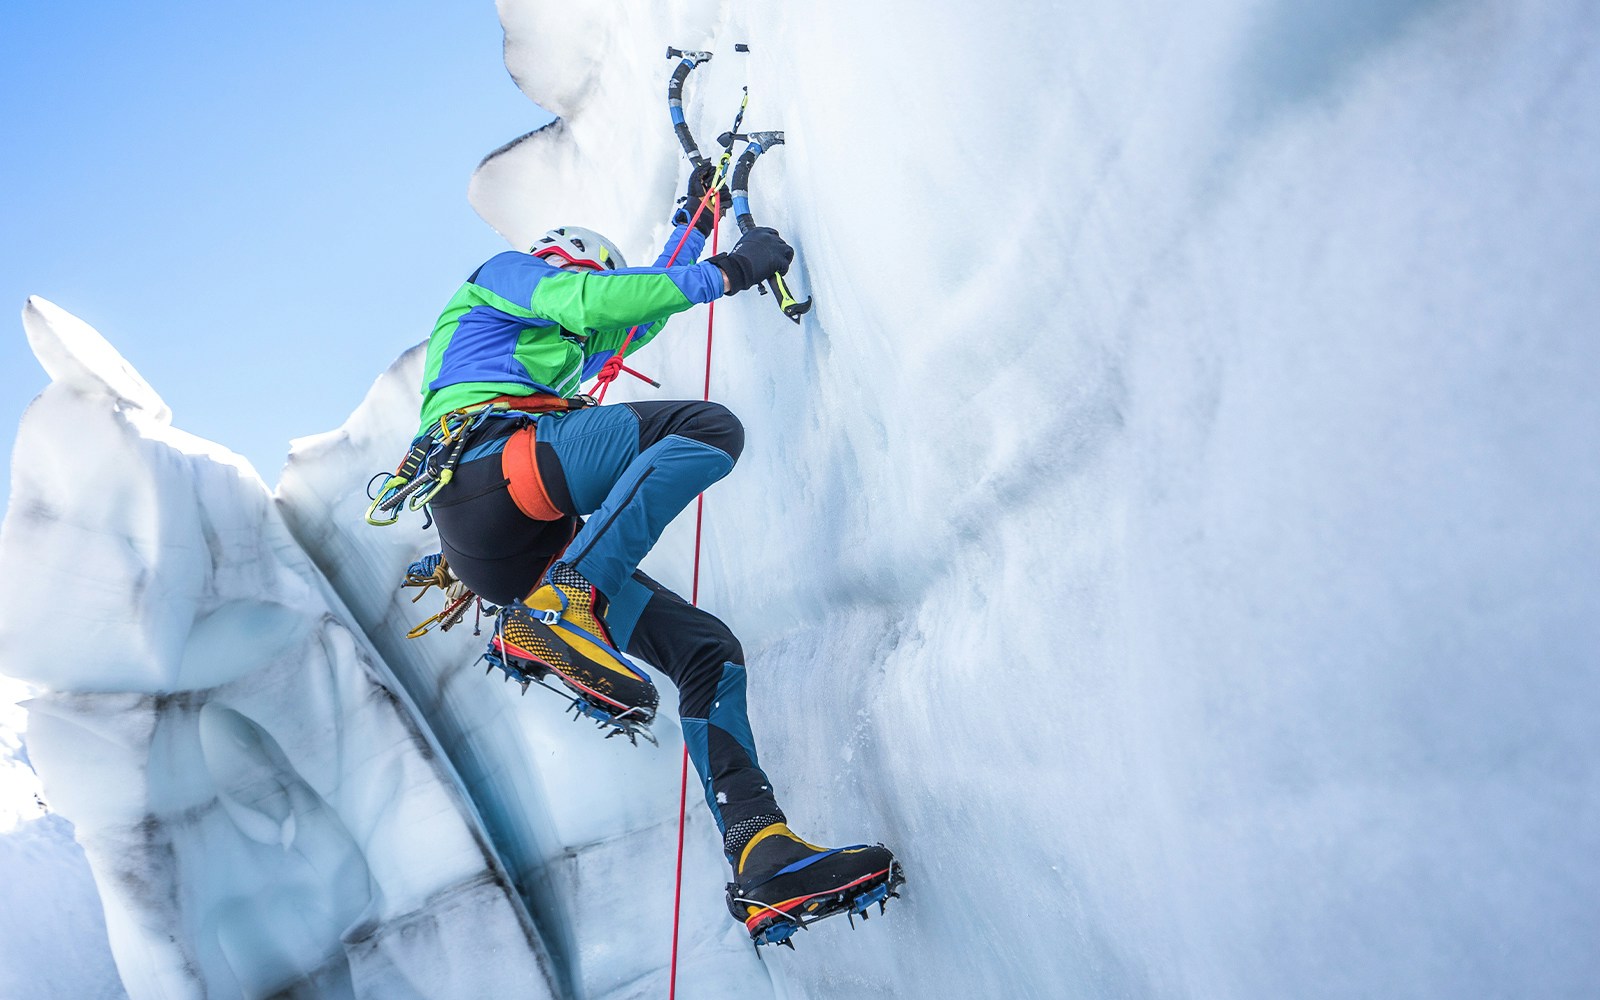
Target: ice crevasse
{"points": [[262, 810], [1195, 587]]}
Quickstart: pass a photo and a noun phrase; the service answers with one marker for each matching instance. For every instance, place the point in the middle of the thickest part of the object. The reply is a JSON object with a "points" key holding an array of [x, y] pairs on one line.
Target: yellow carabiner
{"points": [[422, 627], [393, 483]]}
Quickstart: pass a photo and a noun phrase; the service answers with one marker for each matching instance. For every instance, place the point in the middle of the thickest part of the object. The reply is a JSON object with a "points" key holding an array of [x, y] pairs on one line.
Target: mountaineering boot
{"points": [[555, 630], [781, 883]]}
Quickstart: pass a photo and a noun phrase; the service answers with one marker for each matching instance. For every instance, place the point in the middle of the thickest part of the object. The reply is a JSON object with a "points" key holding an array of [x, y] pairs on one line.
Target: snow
{"points": [[1172, 532]]}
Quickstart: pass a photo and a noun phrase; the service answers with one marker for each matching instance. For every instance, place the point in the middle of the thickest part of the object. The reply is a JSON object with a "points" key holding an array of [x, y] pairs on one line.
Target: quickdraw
{"points": [[432, 571], [428, 467], [455, 609]]}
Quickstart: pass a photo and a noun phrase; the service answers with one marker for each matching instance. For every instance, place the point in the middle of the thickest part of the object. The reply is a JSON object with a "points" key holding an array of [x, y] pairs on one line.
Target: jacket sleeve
{"points": [[604, 305], [682, 247], [588, 303]]}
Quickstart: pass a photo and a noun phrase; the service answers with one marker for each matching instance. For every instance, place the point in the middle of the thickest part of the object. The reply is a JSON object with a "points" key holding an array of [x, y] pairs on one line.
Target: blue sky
{"points": [[259, 205]]}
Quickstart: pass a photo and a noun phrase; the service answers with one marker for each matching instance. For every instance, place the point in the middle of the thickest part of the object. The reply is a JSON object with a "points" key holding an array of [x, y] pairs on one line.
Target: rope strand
{"points": [[710, 196], [694, 598]]}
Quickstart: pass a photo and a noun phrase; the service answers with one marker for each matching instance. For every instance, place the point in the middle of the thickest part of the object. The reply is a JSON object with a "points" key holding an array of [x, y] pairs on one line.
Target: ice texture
{"points": [[1172, 531], [54, 941], [263, 813]]}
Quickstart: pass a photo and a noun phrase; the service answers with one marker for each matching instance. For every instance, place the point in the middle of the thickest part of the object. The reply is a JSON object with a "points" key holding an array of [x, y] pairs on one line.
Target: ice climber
{"points": [[523, 332]]}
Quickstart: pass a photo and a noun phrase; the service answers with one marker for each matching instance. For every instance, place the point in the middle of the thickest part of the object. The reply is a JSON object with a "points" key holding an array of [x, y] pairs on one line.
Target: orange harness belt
{"points": [[517, 462], [522, 477]]}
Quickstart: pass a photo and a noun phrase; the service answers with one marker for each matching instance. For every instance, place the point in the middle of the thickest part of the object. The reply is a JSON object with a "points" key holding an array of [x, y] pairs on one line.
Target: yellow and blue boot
{"points": [[783, 884], [556, 630]]}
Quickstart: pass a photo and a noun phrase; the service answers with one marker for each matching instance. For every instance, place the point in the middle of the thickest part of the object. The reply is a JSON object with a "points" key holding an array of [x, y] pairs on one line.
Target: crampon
{"points": [[632, 723], [776, 923]]}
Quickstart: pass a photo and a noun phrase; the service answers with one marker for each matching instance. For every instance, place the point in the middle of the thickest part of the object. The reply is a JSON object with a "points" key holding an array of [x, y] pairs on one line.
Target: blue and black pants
{"points": [[517, 504]]}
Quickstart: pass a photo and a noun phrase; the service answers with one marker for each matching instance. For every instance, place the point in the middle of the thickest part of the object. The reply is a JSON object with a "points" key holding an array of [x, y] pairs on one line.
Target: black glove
{"points": [[757, 256], [699, 184]]}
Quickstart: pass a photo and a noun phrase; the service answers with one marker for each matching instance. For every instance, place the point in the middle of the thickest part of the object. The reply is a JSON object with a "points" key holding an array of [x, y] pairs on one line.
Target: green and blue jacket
{"points": [[520, 326]]}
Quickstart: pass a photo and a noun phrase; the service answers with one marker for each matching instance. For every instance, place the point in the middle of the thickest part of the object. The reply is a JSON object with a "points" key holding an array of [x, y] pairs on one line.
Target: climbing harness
{"points": [[428, 467], [431, 462]]}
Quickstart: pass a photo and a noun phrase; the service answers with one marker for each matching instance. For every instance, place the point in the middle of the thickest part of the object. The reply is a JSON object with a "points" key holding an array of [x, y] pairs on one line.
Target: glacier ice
{"points": [[59, 948], [1172, 532], [265, 806], [261, 809]]}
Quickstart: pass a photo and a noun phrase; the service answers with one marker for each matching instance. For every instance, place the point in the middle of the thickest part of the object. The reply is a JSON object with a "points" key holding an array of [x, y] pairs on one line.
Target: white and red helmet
{"points": [[576, 245]]}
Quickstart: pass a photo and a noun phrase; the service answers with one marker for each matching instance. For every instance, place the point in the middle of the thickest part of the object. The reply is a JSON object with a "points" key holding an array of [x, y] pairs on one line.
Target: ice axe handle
{"points": [[758, 143], [786, 300], [739, 184], [680, 127]]}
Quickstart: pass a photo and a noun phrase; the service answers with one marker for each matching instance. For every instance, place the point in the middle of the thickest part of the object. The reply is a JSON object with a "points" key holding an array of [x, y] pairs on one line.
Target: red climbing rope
{"points": [[609, 372], [677, 892], [715, 197]]}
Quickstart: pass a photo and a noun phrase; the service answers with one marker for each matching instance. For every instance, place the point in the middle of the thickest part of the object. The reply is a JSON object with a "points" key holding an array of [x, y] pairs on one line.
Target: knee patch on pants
{"points": [[715, 425], [708, 423]]}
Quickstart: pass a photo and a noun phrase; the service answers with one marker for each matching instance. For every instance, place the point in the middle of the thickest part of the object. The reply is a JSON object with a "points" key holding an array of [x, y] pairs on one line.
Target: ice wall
{"points": [[263, 814], [54, 941], [1172, 531]]}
